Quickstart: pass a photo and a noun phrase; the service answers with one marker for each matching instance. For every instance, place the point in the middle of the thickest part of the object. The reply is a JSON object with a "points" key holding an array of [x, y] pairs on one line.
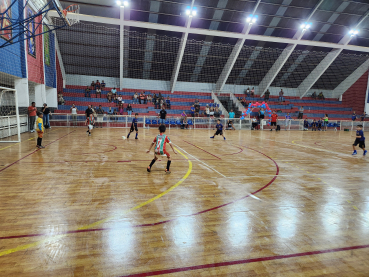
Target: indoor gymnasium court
{"points": [[254, 113]]}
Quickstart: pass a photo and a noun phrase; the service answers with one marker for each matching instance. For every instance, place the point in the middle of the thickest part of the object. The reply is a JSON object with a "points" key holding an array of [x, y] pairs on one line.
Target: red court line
{"points": [[34, 152], [115, 148], [160, 222], [246, 261], [128, 161], [234, 153], [203, 150]]}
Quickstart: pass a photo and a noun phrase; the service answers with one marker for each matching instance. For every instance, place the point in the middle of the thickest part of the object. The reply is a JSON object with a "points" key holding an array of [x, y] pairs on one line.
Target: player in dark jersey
{"points": [[219, 131], [314, 125], [160, 142], [360, 139], [134, 126], [320, 123]]}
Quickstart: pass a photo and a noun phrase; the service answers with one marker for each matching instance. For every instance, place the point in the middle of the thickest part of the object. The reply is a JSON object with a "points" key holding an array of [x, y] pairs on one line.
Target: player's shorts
{"points": [[273, 123], [40, 134], [360, 142], [325, 123], [90, 126], [219, 132], [133, 128], [287, 122], [163, 153], [261, 116]]}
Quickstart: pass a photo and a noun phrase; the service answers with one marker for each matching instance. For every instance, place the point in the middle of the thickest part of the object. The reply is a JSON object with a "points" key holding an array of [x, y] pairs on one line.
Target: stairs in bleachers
{"points": [[229, 105]]}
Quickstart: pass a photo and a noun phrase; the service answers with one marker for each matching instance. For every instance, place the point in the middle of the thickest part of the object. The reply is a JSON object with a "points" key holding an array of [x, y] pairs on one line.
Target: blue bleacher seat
{"points": [[148, 121], [189, 122], [154, 121], [178, 122], [167, 122], [172, 122]]}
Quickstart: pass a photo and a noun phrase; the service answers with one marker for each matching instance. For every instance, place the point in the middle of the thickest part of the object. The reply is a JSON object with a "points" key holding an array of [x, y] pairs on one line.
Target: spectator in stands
{"points": [[46, 111], [314, 95], [301, 112], [353, 117], [98, 88], [160, 96], [167, 102], [100, 117], [135, 98], [254, 123], [184, 123], [103, 85], [110, 114], [60, 99], [266, 95], [231, 114], [149, 98], [212, 111], [74, 111], [145, 98], [280, 99], [129, 109], [115, 113], [88, 92], [321, 95], [183, 115], [93, 85], [154, 99], [121, 109], [197, 102], [120, 99], [207, 111], [109, 96], [157, 103], [216, 113], [197, 110], [141, 98], [161, 102], [363, 116], [32, 110], [114, 94], [247, 92], [192, 110], [252, 92], [163, 115], [244, 102]]}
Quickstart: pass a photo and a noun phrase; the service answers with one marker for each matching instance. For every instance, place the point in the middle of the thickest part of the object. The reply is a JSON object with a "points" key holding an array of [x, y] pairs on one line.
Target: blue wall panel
{"points": [[12, 57], [50, 70]]}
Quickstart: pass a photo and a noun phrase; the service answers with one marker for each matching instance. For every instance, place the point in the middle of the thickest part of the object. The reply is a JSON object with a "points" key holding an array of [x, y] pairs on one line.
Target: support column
{"points": [[51, 97], [121, 52], [40, 95], [21, 85], [181, 49]]}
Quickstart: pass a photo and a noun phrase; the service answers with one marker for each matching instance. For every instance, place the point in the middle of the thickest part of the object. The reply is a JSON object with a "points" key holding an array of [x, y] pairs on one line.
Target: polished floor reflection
{"points": [[258, 204]]}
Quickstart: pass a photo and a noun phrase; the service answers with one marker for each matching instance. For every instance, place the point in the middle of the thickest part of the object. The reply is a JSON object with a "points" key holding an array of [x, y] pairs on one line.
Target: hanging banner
{"points": [[31, 40], [6, 15], [47, 45]]}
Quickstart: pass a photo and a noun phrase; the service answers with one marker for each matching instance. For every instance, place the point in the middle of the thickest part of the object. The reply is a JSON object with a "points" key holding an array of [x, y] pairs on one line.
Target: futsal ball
{"points": [[123, 137]]}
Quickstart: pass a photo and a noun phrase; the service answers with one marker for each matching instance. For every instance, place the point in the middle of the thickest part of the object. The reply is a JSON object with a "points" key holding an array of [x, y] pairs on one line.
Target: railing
{"points": [[9, 126], [124, 121], [221, 107]]}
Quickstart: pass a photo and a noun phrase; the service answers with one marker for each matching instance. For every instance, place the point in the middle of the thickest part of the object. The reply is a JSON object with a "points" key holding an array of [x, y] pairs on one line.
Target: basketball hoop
{"points": [[71, 14]]}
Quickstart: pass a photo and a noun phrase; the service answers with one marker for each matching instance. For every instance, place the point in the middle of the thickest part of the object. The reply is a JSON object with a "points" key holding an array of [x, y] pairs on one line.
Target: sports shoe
{"points": [[89, 134], [41, 146], [148, 169], [136, 138], [365, 152], [354, 153], [212, 137], [167, 171]]}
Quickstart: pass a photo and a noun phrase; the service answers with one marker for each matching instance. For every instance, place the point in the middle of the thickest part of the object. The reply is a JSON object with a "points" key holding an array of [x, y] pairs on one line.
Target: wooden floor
{"points": [[258, 204]]}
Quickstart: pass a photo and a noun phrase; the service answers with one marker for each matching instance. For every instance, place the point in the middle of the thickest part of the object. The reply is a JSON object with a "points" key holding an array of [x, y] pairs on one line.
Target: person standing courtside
{"points": [[301, 112], [47, 113], [32, 110]]}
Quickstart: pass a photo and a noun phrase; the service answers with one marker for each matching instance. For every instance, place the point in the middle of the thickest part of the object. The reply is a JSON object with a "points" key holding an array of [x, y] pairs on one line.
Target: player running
{"points": [[160, 143], [90, 121], [219, 131], [134, 126]]}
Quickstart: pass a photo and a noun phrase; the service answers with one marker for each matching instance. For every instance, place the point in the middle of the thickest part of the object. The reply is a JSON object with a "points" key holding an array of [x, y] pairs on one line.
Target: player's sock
{"points": [[38, 141], [224, 138], [365, 151], [212, 137], [152, 162], [128, 135], [354, 153], [136, 135], [168, 165]]}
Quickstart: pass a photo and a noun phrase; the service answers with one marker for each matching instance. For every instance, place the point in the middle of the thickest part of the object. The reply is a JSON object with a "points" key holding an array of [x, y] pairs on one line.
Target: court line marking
{"points": [[202, 149], [208, 166], [52, 239], [246, 261], [34, 152], [173, 219]]}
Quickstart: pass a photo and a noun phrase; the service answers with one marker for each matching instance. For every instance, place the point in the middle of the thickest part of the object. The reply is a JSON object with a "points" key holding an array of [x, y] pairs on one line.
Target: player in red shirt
{"points": [[273, 121], [160, 142]]}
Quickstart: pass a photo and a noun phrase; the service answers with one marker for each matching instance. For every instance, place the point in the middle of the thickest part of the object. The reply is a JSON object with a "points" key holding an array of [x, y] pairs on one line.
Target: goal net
{"points": [[10, 126]]}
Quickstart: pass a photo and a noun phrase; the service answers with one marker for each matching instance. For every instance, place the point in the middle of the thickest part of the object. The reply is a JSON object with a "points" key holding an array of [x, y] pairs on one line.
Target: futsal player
{"points": [[219, 131], [273, 121], [39, 129], [230, 125], [160, 142], [134, 126], [90, 121], [320, 123], [360, 140], [314, 124]]}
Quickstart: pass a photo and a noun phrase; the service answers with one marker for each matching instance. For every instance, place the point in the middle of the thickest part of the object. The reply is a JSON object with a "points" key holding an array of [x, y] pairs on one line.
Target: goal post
{"points": [[10, 127]]}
